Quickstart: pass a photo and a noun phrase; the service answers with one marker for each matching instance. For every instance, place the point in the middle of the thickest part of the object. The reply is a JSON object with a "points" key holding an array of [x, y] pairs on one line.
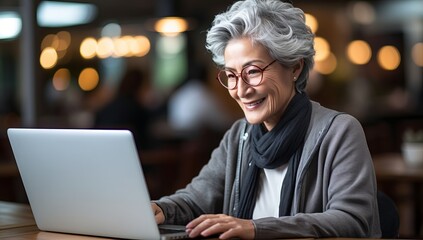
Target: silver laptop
{"points": [[86, 182]]}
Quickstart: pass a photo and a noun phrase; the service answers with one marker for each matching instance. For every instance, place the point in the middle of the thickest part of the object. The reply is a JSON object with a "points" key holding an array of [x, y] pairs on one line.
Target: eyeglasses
{"points": [[252, 75]]}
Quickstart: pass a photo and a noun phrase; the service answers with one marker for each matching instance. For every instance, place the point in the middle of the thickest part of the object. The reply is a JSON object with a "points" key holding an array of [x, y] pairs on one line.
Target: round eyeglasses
{"points": [[252, 75]]}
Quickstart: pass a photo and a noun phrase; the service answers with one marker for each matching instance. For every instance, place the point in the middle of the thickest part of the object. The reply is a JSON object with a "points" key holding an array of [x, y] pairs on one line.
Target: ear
{"points": [[298, 68]]}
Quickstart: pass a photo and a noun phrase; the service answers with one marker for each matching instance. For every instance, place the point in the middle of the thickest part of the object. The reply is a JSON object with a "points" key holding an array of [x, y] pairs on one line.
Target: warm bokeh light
{"points": [[363, 12], [322, 48], [121, 47], [64, 40], [417, 54], [141, 46], [389, 57], [60, 42], [105, 47], [125, 46], [50, 40], [48, 58], [326, 66], [312, 22], [88, 79], [359, 52], [88, 48], [171, 26], [129, 46], [61, 79]]}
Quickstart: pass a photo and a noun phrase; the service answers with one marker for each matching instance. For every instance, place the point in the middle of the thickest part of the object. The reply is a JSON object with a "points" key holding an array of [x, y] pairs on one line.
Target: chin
{"points": [[253, 120]]}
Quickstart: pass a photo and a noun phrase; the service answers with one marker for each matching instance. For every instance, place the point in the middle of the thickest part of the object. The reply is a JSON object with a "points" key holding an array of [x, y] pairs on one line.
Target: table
{"points": [[391, 169], [15, 219], [17, 222]]}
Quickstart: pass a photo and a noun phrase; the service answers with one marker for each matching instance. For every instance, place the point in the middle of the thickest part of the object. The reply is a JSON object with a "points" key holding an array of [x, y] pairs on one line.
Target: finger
{"points": [[159, 218], [158, 213], [216, 228], [209, 225], [230, 228], [198, 225], [200, 219]]}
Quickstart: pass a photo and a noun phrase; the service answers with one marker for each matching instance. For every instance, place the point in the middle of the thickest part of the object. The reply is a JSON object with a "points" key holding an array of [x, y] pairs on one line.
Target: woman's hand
{"points": [[158, 213], [226, 226]]}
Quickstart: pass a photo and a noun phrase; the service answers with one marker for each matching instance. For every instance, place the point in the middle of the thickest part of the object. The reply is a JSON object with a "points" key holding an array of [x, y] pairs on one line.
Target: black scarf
{"points": [[283, 144]]}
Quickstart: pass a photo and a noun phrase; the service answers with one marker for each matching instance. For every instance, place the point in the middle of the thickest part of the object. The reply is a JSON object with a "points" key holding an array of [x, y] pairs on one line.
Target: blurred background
{"points": [[141, 65]]}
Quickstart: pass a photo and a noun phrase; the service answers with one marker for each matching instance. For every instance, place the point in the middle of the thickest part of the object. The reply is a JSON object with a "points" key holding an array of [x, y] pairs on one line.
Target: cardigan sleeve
{"points": [[210, 192]]}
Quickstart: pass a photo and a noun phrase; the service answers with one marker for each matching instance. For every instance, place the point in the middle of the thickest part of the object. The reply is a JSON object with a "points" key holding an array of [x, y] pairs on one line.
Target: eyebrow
{"points": [[252, 62]]}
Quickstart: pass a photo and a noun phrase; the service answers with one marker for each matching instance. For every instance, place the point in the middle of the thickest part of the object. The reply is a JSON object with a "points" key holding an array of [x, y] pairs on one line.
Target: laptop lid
{"points": [[84, 182]]}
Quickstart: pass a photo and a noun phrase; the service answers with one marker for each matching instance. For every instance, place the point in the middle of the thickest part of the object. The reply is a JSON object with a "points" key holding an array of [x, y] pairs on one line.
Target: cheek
{"points": [[274, 99], [279, 93], [232, 93], [283, 87]]}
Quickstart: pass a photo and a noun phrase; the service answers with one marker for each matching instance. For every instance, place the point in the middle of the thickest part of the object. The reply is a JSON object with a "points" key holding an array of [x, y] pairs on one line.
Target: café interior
{"points": [[62, 62]]}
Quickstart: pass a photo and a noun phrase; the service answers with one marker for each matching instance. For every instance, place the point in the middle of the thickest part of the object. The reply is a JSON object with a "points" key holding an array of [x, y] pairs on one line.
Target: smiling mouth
{"points": [[254, 104]]}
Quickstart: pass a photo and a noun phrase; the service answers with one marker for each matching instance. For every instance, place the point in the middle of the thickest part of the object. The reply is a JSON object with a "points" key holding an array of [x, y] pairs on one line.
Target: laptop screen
{"points": [[84, 181]]}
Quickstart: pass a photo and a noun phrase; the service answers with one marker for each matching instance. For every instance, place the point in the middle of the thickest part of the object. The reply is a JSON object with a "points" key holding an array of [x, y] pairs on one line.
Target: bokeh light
{"points": [[88, 48], [363, 12], [322, 48], [105, 47], [327, 65], [88, 79], [48, 58], [61, 79], [359, 52], [389, 57], [417, 54], [171, 26], [312, 22]]}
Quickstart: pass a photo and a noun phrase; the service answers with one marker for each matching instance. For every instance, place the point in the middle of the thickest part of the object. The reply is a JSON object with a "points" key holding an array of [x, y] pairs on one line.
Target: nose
{"points": [[242, 88]]}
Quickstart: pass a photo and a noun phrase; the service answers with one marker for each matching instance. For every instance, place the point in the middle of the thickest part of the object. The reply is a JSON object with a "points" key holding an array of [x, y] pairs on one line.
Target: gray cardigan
{"points": [[335, 193]]}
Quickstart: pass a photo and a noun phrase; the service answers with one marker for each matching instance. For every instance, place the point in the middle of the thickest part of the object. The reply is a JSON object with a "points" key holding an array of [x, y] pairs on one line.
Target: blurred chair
{"points": [[388, 215]]}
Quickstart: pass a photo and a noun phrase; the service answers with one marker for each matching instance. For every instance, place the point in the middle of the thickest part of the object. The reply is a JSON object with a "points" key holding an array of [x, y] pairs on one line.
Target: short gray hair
{"points": [[276, 25]]}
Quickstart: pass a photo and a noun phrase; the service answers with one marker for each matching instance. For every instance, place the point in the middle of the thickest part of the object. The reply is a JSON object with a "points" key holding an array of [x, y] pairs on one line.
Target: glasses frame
{"points": [[239, 75]]}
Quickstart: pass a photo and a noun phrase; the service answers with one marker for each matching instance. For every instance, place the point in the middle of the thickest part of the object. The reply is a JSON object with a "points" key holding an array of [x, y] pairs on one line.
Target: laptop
{"points": [[87, 182]]}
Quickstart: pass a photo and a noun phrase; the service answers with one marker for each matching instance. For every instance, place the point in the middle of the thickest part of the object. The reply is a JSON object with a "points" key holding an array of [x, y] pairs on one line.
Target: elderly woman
{"points": [[291, 168]]}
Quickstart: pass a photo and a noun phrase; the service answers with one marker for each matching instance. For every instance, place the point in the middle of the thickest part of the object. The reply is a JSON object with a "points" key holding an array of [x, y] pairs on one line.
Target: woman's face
{"points": [[266, 102]]}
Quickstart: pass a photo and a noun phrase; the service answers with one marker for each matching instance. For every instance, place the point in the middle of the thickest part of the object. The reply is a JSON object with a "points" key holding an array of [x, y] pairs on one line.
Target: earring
{"points": [[295, 79]]}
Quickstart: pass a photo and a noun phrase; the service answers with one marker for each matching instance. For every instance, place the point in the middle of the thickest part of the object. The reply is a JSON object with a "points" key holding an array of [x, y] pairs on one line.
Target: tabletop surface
{"points": [[391, 166], [17, 222]]}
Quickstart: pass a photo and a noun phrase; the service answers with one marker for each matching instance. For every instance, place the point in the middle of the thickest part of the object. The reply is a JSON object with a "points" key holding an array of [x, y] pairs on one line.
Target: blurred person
{"points": [[128, 110], [291, 168], [193, 107]]}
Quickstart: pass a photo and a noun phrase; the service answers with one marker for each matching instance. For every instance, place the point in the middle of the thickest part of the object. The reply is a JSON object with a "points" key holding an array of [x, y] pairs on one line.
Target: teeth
{"points": [[255, 103]]}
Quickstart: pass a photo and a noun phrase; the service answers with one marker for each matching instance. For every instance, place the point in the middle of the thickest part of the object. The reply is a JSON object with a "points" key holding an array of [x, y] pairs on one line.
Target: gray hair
{"points": [[276, 25]]}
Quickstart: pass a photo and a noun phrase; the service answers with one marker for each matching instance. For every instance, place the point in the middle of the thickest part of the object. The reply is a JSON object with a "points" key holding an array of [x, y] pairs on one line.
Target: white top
{"points": [[269, 192]]}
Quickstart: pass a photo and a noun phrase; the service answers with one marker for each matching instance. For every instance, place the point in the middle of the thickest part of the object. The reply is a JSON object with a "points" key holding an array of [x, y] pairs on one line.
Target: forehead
{"points": [[241, 50]]}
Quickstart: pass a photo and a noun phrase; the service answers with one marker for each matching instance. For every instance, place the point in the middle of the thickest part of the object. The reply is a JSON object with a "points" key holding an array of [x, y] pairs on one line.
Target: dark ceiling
{"points": [[130, 11], [202, 10]]}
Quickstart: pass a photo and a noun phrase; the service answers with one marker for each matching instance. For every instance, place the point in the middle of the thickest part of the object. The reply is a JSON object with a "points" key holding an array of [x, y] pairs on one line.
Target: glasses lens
{"points": [[252, 75], [227, 79]]}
